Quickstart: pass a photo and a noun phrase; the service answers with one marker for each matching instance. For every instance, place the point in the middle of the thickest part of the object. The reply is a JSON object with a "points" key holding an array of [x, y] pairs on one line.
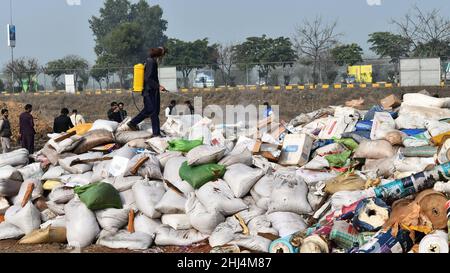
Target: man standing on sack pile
{"points": [[5, 132], [152, 100], [26, 129]]}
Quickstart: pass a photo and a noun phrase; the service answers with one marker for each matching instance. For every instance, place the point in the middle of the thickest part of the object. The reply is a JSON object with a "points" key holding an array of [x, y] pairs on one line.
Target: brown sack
{"points": [[45, 236], [93, 139], [395, 137], [347, 182], [390, 101]]}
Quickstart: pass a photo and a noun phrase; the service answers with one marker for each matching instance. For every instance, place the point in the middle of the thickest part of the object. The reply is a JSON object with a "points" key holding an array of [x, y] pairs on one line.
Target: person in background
{"points": [[151, 92], [114, 112], [26, 129], [268, 111], [190, 106], [169, 109], [76, 118], [5, 131], [123, 112], [62, 123]]}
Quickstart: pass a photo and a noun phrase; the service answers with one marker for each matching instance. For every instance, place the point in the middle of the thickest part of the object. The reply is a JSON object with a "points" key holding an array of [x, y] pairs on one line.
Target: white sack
{"points": [[81, 225], [147, 194]]}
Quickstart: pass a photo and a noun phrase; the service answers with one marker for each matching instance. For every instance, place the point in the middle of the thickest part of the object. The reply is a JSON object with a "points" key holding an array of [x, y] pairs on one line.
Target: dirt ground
{"points": [[12, 246]]}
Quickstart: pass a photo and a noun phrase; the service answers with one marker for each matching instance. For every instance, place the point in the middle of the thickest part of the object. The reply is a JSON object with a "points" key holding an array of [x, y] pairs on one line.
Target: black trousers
{"points": [[152, 105]]}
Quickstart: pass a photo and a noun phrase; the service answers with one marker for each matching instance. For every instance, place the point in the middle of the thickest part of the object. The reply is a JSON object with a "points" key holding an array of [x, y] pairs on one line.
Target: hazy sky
{"points": [[49, 29]]}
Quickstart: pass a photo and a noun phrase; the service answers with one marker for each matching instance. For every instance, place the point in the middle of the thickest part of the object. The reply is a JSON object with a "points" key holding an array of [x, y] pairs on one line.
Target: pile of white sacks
{"points": [[255, 202], [248, 202]]}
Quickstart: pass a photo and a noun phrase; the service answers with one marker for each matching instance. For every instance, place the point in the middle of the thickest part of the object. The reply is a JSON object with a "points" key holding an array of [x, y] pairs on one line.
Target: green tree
{"points": [[264, 53], [122, 44], [55, 69], [387, 44], [190, 55], [2, 85], [347, 54], [70, 64], [152, 26], [121, 18], [433, 48], [24, 70]]}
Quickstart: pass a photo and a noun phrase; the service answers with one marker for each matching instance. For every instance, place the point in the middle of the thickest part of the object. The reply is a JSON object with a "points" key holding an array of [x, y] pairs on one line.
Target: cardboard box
{"points": [[268, 150], [296, 149], [390, 101]]}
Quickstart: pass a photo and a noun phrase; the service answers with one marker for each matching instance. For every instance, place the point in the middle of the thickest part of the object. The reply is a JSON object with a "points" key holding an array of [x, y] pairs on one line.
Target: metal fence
{"points": [[208, 75]]}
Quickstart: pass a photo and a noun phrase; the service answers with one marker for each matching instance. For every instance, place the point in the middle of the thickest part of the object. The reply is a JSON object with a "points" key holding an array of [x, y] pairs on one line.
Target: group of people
{"points": [[117, 112], [61, 124], [26, 130]]}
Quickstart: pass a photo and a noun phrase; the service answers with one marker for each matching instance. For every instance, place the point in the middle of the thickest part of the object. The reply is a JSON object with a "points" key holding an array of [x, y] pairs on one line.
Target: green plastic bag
{"points": [[199, 175], [183, 145], [338, 160], [349, 143], [99, 195]]}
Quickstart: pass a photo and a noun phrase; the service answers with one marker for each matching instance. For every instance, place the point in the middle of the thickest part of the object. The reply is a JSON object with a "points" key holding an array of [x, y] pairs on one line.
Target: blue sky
{"points": [[50, 29]]}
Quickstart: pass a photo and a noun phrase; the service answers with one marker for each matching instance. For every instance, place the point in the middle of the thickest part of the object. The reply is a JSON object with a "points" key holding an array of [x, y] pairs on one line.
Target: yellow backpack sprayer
{"points": [[138, 79], [138, 82]]}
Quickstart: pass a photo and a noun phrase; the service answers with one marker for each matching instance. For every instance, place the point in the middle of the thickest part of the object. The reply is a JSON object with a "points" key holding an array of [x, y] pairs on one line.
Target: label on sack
{"points": [[291, 148], [118, 166]]}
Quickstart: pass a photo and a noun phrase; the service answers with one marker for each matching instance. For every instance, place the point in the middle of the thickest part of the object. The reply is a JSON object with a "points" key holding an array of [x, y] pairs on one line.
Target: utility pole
{"points": [[12, 46]]}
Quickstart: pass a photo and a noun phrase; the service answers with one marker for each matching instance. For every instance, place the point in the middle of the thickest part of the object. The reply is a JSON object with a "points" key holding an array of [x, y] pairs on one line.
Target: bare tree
{"points": [[425, 29], [315, 38], [225, 62]]}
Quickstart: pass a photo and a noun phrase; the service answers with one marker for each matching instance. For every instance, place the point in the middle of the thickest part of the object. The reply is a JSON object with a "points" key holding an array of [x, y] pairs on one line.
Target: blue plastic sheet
{"points": [[364, 125], [413, 132]]}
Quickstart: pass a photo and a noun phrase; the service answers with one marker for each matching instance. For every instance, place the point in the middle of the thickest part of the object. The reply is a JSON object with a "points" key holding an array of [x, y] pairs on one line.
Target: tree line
{"points": [[124, 31]]}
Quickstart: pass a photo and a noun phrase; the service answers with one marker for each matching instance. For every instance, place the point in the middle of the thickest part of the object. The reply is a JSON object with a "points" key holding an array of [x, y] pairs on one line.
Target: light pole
{"points": [[12, 47]]}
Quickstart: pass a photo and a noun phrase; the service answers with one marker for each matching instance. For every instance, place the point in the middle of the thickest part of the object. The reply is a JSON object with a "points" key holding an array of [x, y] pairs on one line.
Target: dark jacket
{"points": [[5, 128], [62, 124], [26, 124], [151, 81], [123, 114], [115, 116]]}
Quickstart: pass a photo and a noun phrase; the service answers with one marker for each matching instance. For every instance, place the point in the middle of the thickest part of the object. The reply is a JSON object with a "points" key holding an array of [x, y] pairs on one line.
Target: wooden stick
{"points": [[65, 136], [85, 161], [172, 186], [130, 227], [138, 164], [28, 193]]}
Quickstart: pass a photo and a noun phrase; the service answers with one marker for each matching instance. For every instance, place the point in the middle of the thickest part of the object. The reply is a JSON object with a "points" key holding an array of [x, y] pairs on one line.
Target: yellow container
{"points": [[138, 79]]}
